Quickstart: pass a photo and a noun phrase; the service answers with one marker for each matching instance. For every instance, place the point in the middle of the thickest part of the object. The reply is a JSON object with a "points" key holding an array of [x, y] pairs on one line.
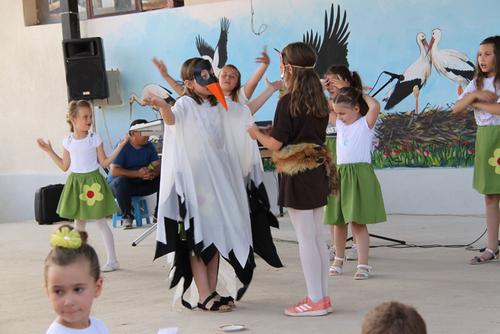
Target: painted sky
{"points": [[382, 37]]}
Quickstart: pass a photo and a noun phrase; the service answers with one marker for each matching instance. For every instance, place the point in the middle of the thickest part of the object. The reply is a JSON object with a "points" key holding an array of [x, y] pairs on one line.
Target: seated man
{"points": [[135, 172]]}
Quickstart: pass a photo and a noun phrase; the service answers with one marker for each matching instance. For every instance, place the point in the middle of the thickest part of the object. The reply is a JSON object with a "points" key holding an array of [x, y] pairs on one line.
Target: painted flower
{"points": [[494, 161], [66, 238], [426, 153], [91, 194]]}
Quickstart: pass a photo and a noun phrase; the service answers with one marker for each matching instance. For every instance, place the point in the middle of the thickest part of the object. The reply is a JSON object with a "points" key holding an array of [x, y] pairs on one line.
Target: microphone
{"points": [[400, 77]]}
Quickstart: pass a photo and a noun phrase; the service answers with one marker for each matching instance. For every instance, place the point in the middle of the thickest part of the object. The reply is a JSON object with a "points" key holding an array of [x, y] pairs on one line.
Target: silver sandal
{"points": [[336, 269], [362, 272]]}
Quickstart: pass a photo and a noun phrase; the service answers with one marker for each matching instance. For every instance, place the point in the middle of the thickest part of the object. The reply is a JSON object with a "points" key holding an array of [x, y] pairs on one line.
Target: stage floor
{"points": [[451, 295]]}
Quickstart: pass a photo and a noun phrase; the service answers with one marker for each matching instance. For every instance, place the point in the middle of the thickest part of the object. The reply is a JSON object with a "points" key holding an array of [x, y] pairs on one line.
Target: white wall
{"points": [[33, 95]]}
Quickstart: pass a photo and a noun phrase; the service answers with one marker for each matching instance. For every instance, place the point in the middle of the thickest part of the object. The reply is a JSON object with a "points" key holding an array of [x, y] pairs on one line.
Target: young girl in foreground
{"points": [[73, 280]]}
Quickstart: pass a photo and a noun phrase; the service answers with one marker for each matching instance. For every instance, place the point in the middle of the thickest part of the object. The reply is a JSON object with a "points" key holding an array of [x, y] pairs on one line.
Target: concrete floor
{"points": [[452, 296]]}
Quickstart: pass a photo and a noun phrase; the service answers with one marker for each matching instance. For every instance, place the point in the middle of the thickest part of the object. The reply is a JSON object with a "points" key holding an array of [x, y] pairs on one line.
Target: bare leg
{"points": [[212, 272], [492, 220], [363, 242], [339, 238], [200, 274]]}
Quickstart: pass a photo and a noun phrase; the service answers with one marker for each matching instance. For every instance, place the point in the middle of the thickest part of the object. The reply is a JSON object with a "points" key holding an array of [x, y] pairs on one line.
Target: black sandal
{"points": [[217, 306], [225, 300]]}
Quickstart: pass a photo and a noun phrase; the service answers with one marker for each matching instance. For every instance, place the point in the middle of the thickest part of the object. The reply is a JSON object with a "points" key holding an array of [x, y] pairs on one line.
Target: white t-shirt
{"points": [[354, 142], [96, 327], [83, 152], [483, 117], [242, 98]]}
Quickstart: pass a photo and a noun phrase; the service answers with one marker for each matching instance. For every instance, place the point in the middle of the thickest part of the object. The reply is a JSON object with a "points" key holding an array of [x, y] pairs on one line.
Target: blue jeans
{"points": [[125, 187]]}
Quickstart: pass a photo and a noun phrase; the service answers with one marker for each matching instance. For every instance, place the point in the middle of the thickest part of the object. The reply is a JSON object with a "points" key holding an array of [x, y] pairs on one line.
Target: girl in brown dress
{"points": [[297, 139]]}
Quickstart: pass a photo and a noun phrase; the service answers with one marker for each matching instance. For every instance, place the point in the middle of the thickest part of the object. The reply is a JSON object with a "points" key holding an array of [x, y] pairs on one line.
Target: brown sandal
{"points": [[487, 256]]}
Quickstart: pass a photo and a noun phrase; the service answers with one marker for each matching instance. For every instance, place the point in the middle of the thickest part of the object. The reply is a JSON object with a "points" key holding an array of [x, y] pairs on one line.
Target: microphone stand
{"points": [[388, 82]]}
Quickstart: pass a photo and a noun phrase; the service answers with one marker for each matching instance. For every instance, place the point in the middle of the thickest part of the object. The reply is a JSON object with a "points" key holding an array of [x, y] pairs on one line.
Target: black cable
{"points": [[466, 246]]}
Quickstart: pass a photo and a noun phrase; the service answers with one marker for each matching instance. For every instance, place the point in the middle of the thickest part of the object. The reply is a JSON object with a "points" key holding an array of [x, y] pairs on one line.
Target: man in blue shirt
{"points": [[135, 172]]}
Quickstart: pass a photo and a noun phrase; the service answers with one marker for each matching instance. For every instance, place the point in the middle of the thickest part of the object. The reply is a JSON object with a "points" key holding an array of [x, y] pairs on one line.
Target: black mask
{"points": [[204, 73]]}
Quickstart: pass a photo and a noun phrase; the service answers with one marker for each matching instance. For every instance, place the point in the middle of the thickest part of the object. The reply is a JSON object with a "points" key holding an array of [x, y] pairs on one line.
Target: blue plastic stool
{"points": [[140, 207]]}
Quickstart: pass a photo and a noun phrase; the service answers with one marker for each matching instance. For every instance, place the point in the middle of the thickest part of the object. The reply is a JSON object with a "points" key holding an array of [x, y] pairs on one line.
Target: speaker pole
{"points": [[69, 19]]}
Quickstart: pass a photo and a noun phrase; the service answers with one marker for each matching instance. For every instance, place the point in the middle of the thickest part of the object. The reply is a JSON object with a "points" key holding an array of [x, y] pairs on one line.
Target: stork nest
{"points": [[434, 126]]}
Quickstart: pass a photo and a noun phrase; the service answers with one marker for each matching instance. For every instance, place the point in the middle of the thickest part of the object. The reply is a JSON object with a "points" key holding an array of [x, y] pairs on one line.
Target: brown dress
{"points": [[306, 190]]}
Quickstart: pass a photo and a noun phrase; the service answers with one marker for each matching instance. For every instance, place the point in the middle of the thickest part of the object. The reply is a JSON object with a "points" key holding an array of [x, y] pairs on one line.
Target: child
{"points": [[393, 318], [483, 95], [359, 200], [336, 77], [299, 130], [86, 195], [73, 280], [229, 79], [202, 195]]}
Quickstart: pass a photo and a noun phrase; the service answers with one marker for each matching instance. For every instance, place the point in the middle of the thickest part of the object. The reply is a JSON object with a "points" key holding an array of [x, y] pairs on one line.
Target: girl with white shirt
{"points": [[359, 200], [483, 96], [86, 194]]}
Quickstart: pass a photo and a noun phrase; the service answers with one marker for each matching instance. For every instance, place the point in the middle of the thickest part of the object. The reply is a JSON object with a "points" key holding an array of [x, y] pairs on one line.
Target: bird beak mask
{"points": [[204, 76]]}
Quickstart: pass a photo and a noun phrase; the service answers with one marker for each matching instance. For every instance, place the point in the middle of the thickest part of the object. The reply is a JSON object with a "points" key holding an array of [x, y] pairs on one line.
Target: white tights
{"points": [[313, 251], [107, 236]]}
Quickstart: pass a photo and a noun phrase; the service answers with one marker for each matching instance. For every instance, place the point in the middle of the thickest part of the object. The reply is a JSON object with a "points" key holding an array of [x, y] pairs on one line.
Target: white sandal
{"points": [[336, 269], [363, 272]]}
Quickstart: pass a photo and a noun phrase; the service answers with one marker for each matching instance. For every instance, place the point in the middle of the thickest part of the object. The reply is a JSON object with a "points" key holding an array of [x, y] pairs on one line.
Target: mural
{"points": [[377, 39]]}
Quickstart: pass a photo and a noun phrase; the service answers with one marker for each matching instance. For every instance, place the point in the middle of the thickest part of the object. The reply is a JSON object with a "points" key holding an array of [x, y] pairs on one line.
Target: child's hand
{"points": [[124, 140], [486, 96], [155, 101], [325, 83], [253, 131], [160, 65], [339, 82], [46, 146], [264, 57], [276, 85]]}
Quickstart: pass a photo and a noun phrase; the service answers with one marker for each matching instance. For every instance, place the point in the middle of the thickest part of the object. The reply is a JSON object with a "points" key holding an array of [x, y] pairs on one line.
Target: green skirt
{"points": [[487, 160], [86, 196], [359, 199], [331, 144]]}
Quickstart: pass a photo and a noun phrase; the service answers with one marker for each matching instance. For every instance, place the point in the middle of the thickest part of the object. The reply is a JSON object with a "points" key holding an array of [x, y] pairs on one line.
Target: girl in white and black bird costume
{"points": [[203, 200]]}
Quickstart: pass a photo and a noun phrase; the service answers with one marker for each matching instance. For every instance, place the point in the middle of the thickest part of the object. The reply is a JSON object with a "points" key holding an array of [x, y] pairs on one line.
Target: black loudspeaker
{"points": [[85, 69]]}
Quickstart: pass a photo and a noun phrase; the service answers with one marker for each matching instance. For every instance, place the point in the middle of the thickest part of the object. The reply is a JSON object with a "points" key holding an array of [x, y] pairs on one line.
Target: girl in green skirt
{"points": [[337, 77], [359, 200], [483, 96], [86, 195]]}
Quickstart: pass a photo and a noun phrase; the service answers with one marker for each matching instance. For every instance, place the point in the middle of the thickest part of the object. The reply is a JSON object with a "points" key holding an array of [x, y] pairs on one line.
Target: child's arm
{"points": [[373, 110], [492, 108], [162, 68], [259, 101], [165, 108], [251, 84], [332, 116], [101, 155], [266, 140], [63, 163], [483, 96]]}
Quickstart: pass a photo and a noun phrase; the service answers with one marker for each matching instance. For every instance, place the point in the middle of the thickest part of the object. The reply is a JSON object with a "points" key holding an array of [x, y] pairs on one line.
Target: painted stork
{"points": [[415, 77], [453, 64], [217, 56], [332, 48]]}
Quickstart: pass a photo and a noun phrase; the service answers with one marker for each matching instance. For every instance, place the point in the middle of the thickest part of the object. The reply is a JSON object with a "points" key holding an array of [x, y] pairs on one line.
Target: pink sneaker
{"points": [[306, 308], [327, 302]]}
